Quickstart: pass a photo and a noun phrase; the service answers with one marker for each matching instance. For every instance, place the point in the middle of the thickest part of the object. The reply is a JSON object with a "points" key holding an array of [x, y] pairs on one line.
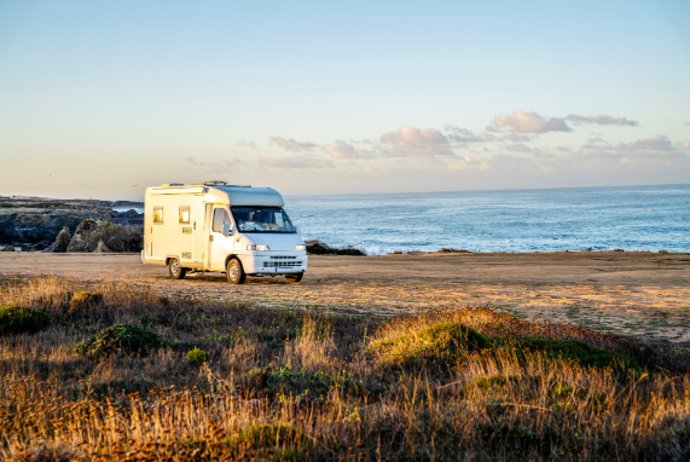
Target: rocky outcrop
{"points": [[94, 235], [315, 247], [61, 241], [35, 223]]}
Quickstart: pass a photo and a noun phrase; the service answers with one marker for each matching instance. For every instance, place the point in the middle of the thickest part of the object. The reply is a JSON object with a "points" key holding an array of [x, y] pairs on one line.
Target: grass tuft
{"points": [[442, 343], [83, 301]]}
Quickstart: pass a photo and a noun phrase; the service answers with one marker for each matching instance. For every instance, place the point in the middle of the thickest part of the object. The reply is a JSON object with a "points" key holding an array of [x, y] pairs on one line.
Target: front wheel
{"points": [[175, 269], [294, 277], [234, 272]]}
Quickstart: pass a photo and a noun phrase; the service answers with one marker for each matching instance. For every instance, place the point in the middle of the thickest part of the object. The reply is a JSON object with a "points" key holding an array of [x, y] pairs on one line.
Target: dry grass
{"points": [[284, 385]]}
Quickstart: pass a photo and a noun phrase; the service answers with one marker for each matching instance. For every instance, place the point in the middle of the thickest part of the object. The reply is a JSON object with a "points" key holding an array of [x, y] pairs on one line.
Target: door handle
{"points": [[210, 238]]}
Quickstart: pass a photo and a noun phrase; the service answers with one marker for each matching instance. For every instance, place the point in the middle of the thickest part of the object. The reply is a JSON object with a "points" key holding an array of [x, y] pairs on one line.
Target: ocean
{"points": [[649, 218]]}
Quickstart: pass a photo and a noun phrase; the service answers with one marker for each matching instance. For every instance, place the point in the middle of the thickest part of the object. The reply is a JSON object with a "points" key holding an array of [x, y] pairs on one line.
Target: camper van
{"points": [[240, 230]]}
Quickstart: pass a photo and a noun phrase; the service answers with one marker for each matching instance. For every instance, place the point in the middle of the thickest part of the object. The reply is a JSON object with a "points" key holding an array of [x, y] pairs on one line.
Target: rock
{"points": [[8, 248], [101, 248], [33, 223], [61, 241], [315, 247], [92, 235], [318, 248]]}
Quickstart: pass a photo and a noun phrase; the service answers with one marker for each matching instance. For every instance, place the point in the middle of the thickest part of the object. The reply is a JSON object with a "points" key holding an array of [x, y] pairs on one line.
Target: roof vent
{"points": [[215, 183]]}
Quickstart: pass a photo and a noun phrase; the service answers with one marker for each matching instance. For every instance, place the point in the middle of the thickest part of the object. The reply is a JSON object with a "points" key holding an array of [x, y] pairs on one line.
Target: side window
{"points": [[158, 215], [220, 217], [184, 215]]}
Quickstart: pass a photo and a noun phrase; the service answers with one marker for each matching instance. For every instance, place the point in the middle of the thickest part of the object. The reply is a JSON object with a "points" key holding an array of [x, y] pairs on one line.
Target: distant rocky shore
{"points": [[70, 225], [78, 225]]}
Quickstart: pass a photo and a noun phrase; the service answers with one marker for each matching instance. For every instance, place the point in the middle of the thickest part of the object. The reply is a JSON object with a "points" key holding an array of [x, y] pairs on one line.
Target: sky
{"points": [[101, 99]]}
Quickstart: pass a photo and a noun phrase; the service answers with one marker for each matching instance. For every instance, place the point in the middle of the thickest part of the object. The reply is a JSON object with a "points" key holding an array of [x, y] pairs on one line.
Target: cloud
{"points": [[303, 161], [415, 142], [465, 136], [600, 120], [247, 144], [660, 143], [528, 122], [341, 150], [531, 122], [290, 144]]}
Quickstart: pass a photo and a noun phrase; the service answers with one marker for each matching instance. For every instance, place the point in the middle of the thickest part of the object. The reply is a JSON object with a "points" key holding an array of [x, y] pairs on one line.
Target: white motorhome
{"points": [[240, 230]]}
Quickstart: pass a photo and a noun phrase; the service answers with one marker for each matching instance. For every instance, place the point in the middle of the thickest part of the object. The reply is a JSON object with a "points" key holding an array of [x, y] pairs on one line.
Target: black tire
{"points": [[294, 277], [234, 272], [176, 270]]}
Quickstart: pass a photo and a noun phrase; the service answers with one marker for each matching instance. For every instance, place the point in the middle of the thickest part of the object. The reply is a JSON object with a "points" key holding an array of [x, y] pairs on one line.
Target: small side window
{"points": [[184, 215], [158, 215]]}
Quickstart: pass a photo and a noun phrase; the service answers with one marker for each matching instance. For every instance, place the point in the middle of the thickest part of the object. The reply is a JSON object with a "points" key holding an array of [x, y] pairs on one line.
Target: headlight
{"points": [[300, 247], [258, 247]]}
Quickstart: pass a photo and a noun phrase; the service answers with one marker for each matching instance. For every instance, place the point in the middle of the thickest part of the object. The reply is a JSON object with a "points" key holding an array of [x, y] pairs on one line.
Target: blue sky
{"points": [[101, 99]]}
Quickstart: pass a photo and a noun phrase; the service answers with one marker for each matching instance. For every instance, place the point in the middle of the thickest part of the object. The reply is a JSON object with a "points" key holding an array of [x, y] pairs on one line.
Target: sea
{"points": [[651, 218]]}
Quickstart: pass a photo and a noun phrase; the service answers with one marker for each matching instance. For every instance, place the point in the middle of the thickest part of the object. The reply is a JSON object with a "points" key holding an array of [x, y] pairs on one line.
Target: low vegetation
{"points": [[19, 320], [139, 377]]}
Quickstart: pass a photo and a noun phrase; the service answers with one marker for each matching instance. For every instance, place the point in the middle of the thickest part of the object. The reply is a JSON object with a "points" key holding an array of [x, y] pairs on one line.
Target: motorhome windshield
{"points": [[262, 220]]}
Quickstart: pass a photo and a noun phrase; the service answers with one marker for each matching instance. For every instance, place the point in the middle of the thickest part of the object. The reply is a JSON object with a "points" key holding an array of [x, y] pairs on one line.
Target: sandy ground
{"points": [[623, 292]]}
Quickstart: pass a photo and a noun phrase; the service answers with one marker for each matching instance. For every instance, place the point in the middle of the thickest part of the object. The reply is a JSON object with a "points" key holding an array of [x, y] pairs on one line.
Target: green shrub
{"points": [[121, 338], [17, 320], [569, 349], [440, 343], [197, 356], [83, 301]]}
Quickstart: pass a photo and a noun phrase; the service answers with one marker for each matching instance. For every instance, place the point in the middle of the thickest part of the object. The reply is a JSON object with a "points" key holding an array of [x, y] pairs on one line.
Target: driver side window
{"points": [[220, 218]]}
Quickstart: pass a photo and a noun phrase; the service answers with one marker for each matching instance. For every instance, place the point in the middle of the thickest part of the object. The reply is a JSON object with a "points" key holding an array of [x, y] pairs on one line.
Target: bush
{"points": [[569, 349], [83, 301], [121, 338], [17, 320], [197, 356]]}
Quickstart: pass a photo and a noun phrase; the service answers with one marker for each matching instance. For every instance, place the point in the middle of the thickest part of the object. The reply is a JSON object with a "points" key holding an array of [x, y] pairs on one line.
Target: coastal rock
{"points": [[101, 248], [316, 247], [61, 241], [92, 235], [32, 223], [8, 248]]}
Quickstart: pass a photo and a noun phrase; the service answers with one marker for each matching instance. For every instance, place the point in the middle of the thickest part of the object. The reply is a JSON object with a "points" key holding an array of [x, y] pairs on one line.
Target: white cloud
{"points": [[415, 142], [341, 150], [600, 120], [660, 143], [290, 144], [465, 136], [528, 122]]}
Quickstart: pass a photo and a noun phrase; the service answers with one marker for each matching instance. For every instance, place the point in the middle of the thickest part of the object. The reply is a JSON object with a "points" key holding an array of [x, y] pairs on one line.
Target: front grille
{"points": [[283, 257], [282, 264]]}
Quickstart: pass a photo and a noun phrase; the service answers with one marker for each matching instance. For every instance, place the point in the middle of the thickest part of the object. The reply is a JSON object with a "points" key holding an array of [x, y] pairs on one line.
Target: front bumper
{"points": [[275, 263]]}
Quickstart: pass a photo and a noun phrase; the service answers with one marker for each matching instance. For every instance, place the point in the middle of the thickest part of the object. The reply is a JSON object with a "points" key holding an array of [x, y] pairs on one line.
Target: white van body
{"points": [[214, 226]]}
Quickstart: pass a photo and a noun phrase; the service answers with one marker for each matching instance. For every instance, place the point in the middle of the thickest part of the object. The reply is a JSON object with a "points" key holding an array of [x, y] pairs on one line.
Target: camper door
{"points": [[220, 239]]}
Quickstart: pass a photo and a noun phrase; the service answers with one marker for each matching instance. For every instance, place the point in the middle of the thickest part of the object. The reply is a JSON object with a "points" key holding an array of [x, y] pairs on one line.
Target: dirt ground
{"points": [[630, 293]]}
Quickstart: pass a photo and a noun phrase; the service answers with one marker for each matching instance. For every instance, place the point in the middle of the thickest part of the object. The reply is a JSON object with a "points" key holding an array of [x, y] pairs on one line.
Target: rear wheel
{"points": [[175, 269], [294, 277], [234, 272]]}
